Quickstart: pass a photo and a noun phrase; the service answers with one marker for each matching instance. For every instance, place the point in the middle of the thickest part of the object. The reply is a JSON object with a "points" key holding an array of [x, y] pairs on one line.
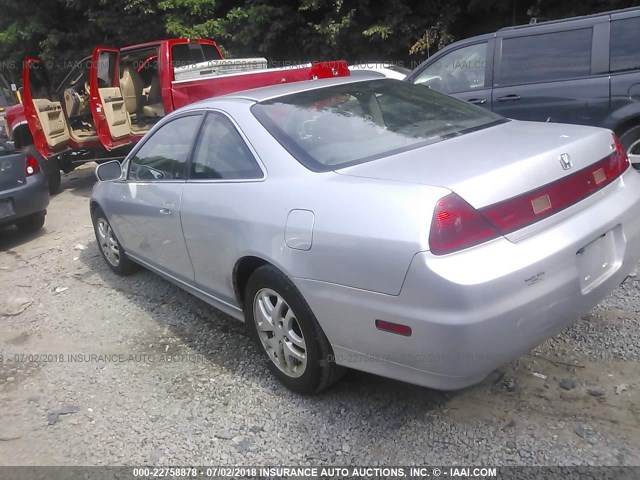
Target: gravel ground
{"points": [[172, 381]]}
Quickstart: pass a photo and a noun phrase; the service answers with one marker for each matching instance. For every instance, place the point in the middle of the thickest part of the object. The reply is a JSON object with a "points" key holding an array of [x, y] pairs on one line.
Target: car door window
{"points": [[545, 57], [625, 38], [459, 71], [164, 155], [222, 154]]}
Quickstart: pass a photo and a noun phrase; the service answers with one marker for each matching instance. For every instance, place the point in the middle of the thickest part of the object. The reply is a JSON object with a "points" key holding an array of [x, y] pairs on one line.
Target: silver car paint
{"points": [[470, 311], [477, 309]]}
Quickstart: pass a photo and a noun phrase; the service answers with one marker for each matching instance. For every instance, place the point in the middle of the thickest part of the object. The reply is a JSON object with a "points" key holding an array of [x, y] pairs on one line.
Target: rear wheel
{"points": [[32, 223], [630, 140], [288, 334], [109, 246]]}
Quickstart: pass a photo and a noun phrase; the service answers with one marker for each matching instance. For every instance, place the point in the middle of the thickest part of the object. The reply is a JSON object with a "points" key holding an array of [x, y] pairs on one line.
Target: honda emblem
{"points": [[565, 161]]}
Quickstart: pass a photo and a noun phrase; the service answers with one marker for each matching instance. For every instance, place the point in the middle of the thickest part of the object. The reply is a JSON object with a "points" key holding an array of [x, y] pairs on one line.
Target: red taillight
{"points": [[457, 225], [531, 207], [31, 166], [623, 159]]}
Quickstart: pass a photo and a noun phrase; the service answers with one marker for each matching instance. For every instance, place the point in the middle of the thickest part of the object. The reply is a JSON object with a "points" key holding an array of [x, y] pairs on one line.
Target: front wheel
{"points": [[288, 334], [630, 140], [109, 246]]}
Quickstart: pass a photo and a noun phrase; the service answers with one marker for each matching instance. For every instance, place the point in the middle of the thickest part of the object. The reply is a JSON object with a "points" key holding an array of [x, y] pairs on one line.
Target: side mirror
{"points": [[109, 171]]}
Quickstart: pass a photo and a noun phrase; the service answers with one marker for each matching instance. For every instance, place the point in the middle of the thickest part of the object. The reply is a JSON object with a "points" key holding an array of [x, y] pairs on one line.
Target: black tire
{"points": [[321, 370], [32, 223], [630, 140], [50, 167], [124, 265], [54, 177]]}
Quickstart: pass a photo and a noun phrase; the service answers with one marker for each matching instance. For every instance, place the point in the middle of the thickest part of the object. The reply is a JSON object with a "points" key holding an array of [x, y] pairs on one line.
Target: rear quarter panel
{"points": [[365, 232]]}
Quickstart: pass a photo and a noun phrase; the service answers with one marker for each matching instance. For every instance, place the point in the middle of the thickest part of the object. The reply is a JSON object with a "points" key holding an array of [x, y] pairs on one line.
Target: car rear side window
{"points": [[185, 54], [545, 57], [221, 153], [164, 155], [625, 45]]}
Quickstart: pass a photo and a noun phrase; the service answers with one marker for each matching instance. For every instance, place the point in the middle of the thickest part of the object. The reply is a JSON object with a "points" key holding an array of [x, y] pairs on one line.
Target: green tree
{"points": [[63, 31]]}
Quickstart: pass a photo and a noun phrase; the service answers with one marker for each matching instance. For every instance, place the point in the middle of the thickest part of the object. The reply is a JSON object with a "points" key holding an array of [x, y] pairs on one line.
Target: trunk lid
{"points": [[12, 169], [497, 163]]}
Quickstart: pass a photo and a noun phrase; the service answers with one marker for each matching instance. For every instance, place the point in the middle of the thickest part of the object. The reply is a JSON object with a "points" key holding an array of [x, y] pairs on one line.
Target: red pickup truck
{"points": [[111, 99]]}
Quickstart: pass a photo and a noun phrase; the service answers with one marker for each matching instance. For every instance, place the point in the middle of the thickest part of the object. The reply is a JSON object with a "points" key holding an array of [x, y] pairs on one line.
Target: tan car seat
{"points": [[131, 86], [154, 107], [71, 102]]}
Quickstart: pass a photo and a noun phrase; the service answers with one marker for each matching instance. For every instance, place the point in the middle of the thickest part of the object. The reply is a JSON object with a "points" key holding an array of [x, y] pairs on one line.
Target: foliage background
{"points": [[406, 31]]}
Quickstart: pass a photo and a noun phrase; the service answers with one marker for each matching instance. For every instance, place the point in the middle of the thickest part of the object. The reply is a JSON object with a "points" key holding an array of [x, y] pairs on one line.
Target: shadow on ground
{"points": [[11, 237]]}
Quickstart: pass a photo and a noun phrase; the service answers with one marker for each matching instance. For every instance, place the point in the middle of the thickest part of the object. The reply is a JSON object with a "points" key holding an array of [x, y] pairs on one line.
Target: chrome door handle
{"points": [[478, 101], [166, 211]]}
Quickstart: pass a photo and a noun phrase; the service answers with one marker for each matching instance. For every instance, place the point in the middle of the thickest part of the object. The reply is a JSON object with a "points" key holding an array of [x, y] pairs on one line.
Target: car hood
{"points": [[495, 163]]}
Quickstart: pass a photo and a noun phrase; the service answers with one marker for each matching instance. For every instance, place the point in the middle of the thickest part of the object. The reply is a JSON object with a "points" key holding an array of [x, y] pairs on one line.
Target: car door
{"points": [[224, 177], [45, 117], [463, 72], [147, 206], [106, 101], [553, 73]]}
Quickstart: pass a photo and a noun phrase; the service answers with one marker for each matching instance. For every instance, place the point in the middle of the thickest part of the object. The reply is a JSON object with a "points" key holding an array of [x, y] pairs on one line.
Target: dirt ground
{"points": [[98, 369]]}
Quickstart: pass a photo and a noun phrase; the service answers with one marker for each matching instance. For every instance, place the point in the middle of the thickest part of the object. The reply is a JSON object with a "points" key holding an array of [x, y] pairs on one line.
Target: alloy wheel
{"points": [[108, 243], [280, 332]]}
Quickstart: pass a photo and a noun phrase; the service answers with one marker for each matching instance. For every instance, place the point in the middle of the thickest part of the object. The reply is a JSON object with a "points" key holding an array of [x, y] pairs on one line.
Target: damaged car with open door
{"points": [[111, 99], [59, 121]]}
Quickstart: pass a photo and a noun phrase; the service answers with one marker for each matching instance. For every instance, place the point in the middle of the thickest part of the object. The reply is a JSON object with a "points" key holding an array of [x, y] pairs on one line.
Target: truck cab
{"points": [[132, 86]]}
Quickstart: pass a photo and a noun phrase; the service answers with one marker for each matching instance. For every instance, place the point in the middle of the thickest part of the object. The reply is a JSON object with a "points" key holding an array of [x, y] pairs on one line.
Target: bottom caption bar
{"points": [[319, 472]]}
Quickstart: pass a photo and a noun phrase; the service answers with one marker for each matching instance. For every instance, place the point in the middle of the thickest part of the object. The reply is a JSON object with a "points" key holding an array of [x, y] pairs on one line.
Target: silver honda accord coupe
{"points": [[376, 225]]}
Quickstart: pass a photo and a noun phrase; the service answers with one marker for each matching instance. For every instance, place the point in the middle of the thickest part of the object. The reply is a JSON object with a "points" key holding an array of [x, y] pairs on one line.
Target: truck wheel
{"points": [[630, 140], [53, 175], [50, 167]]}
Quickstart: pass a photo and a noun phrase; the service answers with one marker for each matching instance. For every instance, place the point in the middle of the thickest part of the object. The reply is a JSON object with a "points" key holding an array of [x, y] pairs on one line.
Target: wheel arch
{"points": [[242, 271], [627, 124], [21, 135], [93, 205], [623, 118]]}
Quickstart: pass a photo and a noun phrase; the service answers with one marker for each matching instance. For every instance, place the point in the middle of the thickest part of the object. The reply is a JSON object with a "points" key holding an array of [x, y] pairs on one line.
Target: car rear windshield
{"points": [[334, 127]]}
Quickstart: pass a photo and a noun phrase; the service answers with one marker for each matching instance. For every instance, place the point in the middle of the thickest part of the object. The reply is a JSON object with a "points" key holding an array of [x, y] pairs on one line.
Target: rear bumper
{"points": [[472, 311], [32, 197]]}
